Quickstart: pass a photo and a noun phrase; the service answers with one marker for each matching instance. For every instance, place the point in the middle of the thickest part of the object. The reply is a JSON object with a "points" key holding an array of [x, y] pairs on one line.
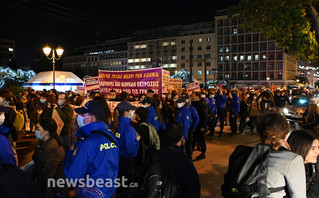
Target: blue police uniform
{"points": [[234, 108], [152, 117], [96, 156], [212, 105], [234, 105], [126, 136], [6, 153], [183, 117], [221, 101]]}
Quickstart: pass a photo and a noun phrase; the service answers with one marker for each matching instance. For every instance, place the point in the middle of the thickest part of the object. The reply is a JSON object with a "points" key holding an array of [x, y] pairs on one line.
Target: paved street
{"points": [[211, 170]]}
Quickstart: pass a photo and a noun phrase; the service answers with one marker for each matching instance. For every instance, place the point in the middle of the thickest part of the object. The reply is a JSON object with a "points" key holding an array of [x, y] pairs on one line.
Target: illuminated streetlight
{"points": [[47, 51], [268, 79]]}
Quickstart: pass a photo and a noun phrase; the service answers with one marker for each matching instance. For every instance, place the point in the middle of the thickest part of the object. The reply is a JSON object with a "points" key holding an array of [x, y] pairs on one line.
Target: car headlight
{"points": [[285, 110]]}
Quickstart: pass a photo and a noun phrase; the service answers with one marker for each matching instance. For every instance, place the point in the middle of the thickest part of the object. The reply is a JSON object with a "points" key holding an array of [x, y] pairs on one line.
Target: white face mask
{"points": [[131, 115], [38, 135], [2, 118], [61, 103], [180, 105], [143, 105], [80, 120], [42, 101]]}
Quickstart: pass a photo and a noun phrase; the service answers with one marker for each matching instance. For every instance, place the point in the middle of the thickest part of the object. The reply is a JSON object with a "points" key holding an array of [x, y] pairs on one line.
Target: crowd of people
{"points": [[156, 137]]}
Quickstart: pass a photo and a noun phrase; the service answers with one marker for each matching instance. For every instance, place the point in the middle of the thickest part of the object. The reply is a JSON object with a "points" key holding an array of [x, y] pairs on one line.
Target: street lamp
{"points": [[47, 51], [268, 79]]}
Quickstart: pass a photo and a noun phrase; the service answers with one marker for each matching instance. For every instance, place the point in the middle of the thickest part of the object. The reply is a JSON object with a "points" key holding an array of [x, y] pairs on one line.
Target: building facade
{"points": [[245, 57], [7, 53], [110, 55]]}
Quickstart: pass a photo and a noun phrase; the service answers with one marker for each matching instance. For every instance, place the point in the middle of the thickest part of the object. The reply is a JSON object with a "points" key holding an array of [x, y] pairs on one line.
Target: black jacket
{"points": [[243, 109], [202, 111], [48, 158], [312, 180], [181, 169]]}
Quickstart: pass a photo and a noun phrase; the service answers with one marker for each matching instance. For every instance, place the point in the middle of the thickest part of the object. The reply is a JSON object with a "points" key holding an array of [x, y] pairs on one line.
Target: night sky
{"points": [[74, 23]]}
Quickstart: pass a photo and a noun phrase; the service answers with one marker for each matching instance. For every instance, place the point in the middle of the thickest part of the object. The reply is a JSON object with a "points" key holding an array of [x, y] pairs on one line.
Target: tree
{"points": [[293, 24]]}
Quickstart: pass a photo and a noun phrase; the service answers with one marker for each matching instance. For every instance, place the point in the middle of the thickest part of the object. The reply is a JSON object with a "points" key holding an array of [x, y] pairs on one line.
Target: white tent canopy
{"points": [[64, 81]]}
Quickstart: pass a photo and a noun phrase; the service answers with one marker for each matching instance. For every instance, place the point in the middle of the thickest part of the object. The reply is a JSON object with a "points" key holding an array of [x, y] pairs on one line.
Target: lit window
{"points": [[130, 60], [220, 50], [199, 72], [200, 40], [173, 43], [235, 58], [165, 43], [264, 57], [249, 57], [10, 49], [137, 60], [143, 59], [137, 67], [227, 49], [256, 57], [143, 46], [208, 39], [174, 57], [173, 65], [165, 65], [235, 31], [136, 46], [242, 57], [227, 58], [207, 72]]}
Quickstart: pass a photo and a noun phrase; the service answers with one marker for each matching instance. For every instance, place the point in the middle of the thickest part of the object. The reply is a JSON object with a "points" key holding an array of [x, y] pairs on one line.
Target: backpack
{"points": [[154, 138], [247, 173], [157, 182]]}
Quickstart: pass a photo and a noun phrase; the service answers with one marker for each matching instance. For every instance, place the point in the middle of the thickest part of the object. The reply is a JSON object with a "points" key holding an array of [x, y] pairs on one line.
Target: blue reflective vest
{"points": [[95, 156], [126, 136], [153, 118]]}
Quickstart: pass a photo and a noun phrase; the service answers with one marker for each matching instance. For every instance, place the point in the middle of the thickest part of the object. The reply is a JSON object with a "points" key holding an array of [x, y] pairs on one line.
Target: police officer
{"points": [[97, 156], [212, 114], [221, 100], [128, 140], [194, 122], [152, 118], [233, 111], [183, 116]]}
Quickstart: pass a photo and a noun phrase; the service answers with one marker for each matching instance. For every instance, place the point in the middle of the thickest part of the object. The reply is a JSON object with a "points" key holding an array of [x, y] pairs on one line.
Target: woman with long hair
{"points": [[312, 118], [285, 169], [306, 144]]}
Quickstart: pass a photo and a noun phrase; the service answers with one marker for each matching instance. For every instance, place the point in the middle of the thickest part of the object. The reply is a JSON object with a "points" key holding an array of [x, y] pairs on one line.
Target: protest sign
{"points": [[165, 81], [92, 84], [176, 84], [134, 82], [58, 120], [193, 87]]}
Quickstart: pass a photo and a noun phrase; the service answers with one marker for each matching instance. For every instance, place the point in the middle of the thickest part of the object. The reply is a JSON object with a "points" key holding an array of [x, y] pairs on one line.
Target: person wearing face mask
{"points": [[234, 108], [66, 113], [128, 140], [221, 100], [6, 152], [189, 121], [42, 104], [153, 118], [48, 158], [212, 114], [96, 154], [7, 119]]}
